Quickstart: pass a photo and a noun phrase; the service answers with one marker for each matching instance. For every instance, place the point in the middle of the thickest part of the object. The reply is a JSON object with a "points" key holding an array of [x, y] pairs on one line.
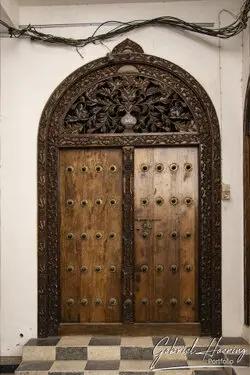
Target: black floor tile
{"points": [[35, 366], [168, 341], [200, 353], [233, 341], [8, 369], [105, 340], [69, 353], [135, 353], [102, 365], [50, 341]]}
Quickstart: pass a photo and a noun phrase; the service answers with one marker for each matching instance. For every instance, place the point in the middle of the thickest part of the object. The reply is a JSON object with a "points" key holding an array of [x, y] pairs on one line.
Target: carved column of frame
{"points": [[128, 236], [127, 100]]}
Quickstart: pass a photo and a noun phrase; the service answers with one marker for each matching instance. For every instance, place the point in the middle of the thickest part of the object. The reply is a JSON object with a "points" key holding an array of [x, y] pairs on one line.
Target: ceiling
{"points": [[78, 2]]}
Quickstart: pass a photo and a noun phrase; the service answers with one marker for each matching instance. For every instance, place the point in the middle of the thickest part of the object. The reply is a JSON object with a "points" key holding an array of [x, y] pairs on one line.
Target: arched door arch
{"points": [[130, 100]]}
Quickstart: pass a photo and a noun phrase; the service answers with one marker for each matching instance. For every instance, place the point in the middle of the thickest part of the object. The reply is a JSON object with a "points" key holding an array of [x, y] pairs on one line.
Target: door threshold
{"points": [[136, 329]]}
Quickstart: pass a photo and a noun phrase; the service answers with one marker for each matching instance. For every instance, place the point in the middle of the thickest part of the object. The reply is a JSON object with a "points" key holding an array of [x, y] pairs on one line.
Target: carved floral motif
{"points": [[147, 104]]}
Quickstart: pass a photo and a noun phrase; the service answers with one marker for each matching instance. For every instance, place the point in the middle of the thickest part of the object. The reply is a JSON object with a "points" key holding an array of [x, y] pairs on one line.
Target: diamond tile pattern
{"points": [[113, 355]]}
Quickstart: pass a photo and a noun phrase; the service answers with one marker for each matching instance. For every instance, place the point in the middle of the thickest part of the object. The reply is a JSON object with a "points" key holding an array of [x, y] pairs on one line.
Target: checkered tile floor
{"points": [[113, 355]]}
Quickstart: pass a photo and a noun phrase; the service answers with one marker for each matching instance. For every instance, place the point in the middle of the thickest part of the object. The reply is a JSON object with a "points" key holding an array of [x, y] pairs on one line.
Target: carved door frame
{"points": [[246, 167], [52, 137]]}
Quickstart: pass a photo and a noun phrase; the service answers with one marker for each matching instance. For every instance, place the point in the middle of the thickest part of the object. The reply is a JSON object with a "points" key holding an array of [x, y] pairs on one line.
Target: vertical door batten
{"points": [[128, 235]]}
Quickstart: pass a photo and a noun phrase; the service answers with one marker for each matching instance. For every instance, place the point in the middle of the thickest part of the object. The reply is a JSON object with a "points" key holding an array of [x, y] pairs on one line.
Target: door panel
{"points": [[90, 233], [165, 241], [166, 212]]}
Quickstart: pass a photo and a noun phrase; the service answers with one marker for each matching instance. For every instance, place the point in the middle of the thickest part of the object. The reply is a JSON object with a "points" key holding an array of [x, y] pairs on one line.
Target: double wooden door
{"points": [[163, 219]]}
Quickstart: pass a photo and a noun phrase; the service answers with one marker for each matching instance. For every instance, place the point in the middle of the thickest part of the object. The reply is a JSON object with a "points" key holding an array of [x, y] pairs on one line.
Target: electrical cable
{"points": [[121, 28]]}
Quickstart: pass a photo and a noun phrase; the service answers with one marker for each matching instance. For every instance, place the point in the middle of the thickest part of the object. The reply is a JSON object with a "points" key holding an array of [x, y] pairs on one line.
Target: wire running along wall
{"points": [[122, 28]]}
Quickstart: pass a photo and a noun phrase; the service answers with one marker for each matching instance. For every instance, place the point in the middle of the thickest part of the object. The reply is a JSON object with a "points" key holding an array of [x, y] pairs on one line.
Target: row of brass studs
{"points": [[84, 203], [159, 167], [113, 302], [85, 169], [160, 268], [173, 235], [144, 268], [84, 236], [160, 301], [112, 268], [173, 201], [144, 201], [97, 301]]}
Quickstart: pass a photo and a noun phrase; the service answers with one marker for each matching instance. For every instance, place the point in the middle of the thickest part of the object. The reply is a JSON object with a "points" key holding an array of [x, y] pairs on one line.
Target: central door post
{"points": [[128, 236]]}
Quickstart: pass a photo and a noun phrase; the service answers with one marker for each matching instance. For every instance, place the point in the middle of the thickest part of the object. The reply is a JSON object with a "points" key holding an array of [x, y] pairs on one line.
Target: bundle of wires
{"points": [[229, 31]]}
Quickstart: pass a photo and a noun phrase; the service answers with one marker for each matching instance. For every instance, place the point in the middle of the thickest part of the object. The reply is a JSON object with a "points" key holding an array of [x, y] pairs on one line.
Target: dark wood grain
{"points": [[189, 329]]}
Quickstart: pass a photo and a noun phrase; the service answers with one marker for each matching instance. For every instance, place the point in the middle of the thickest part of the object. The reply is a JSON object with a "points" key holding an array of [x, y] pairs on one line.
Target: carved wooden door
{"points": [[163, 284], [122, 245], [166, 199]]}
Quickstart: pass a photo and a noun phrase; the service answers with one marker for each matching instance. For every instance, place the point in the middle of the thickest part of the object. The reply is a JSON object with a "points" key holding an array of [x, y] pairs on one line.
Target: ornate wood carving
{"points": [[128, 236], [128, 46], [129, 103], [201, 128]]}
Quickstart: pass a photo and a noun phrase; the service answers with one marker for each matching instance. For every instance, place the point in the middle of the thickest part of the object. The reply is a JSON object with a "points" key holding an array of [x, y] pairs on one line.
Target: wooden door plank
{"points": [[95, 216], [166, 248]]}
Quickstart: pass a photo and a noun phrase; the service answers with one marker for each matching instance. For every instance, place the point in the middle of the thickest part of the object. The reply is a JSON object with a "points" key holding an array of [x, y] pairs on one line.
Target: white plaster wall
{"points": [[29, 74], [12, 10]]}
